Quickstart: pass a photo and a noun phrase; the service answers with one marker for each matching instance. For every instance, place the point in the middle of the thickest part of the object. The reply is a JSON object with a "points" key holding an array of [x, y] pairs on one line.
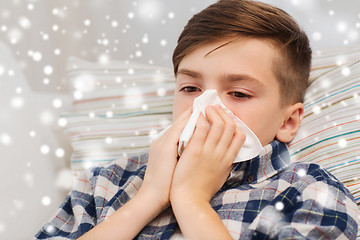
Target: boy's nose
{"points": [[210, 85]]}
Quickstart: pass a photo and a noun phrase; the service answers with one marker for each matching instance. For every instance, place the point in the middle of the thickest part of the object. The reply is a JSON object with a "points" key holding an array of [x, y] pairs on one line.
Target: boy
{"points": [[258, 60]]}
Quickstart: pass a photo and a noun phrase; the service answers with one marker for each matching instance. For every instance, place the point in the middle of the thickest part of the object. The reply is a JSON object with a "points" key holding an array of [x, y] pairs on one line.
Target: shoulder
{"points": [[308, 202], [306, 174], [313, 178], [320, 190]]}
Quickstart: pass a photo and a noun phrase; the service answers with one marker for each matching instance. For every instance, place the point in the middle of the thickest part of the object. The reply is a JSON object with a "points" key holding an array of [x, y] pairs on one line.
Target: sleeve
{"points": [[316, 206], [76, 216]]}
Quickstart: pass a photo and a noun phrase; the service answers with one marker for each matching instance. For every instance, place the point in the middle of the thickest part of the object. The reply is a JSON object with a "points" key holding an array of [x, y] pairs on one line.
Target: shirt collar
{"points": [[273, 159]]}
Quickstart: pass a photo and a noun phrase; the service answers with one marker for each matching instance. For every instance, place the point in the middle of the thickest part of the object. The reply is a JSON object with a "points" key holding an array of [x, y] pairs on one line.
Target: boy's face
{"points": [[242, 74]]}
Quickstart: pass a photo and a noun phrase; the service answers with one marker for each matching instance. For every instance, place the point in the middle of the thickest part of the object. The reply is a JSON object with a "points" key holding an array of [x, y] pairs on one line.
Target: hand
{"points": [[162, 160], [207, 159]]}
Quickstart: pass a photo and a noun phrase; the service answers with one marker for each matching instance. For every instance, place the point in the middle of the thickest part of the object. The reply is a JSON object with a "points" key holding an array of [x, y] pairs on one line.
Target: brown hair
{"points": [[244, 18]]}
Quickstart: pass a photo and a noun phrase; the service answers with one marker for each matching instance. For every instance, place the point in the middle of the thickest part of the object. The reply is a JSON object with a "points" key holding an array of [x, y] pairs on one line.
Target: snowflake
{"points": [[342, 143], [131, 71], [46, 81], [171, 15], [109, 114], [114, 24], [14, 35], [104, 59], [161, 92], [316, 110], [48, 70], [341, 27], [46, 200], [87, 22], [108, 140], [46, 117], [131, 15], [91, 115], [144, 107], [17, 102], [32, 133], [30, 7], [279, 206], [57, 51], [36, 56], [55, 28], [145, 39], [59, 152], [6, 139], [24, 22], [163, 42], [45, 149], [301, 172], [57, 103], [62, 122], [138, 53], [316, 36], [346, 71]]}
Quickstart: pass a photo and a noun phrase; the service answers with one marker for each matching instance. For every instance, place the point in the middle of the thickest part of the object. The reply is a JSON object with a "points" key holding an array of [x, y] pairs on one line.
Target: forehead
{"points": [[259, 46], [229, 40], [255, 56]]}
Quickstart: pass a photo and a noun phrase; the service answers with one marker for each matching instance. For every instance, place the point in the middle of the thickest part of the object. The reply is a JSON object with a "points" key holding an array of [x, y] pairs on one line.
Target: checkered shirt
{"points": [[264, 198]]}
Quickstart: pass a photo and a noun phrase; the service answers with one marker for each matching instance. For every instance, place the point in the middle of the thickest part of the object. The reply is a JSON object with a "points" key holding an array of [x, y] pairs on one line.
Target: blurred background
{"points": [[36, 39]]}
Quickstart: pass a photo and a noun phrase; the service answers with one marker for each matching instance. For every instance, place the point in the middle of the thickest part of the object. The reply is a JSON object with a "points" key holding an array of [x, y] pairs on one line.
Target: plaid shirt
{"points": [[266, 197]]}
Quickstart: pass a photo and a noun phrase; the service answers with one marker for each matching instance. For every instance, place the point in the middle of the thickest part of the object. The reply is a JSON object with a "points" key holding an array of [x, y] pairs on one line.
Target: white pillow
{"points": [[118, 107]]}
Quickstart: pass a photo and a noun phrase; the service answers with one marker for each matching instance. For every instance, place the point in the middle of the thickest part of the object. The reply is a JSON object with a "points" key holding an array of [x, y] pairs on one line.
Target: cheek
{"points": [[181, 104], [245, 113], [253, 117], [262, 123], [248, 117]]}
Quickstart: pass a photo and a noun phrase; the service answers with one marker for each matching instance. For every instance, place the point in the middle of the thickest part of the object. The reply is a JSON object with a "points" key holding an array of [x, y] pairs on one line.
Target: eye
{"points": [[240, 95], [190, 89]]}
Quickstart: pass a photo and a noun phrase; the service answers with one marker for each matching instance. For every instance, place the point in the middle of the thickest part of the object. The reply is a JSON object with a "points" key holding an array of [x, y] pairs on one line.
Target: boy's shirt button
{"points": [[250, 178]]}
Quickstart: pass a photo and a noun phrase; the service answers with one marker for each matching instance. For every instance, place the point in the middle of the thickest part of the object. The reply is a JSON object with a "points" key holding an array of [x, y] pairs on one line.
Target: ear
{"points": [[292, 120]]}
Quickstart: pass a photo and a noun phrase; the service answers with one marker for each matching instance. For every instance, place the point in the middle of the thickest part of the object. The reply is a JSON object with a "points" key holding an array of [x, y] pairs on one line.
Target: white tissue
{"points": [[251, 147]]}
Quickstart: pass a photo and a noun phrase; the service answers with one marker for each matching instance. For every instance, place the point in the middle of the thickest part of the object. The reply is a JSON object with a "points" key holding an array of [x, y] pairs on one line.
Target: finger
{"points": [[229, 128], [179, 124], [200, 132], [216, 127], [183, 116], [235, 145]]}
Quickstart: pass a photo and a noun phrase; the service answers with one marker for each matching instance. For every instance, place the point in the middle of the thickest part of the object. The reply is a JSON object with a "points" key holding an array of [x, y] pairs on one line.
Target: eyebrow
{"points": [[190, 73], [241, 77], [224, 78]]}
